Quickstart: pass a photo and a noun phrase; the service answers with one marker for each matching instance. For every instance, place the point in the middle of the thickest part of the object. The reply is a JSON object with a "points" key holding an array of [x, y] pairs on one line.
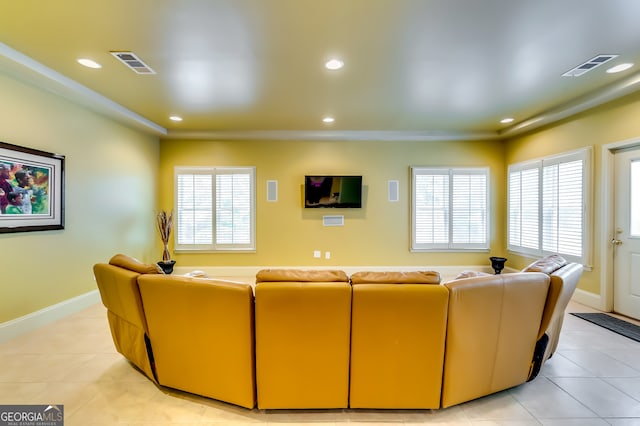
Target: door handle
{"points": [[615, 242]]}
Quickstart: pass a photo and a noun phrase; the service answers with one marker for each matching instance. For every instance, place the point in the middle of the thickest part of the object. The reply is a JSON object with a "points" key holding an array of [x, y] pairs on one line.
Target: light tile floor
{"points": [[593, 379]]}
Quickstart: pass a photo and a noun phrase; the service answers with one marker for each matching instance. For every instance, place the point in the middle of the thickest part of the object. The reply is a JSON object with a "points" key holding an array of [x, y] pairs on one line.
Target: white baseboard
{"points": [[589, 299], [29, 322]]}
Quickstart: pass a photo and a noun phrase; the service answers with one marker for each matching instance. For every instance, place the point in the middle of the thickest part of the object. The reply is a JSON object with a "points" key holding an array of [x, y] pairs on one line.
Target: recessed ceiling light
{"points": [[334, 64], [175, 118], [619, 68], [89, 63], [328, 119], [506, 120]]}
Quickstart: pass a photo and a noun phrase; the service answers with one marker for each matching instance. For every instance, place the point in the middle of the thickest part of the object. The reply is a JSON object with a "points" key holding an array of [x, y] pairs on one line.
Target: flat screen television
{"points": [[324, 191]]}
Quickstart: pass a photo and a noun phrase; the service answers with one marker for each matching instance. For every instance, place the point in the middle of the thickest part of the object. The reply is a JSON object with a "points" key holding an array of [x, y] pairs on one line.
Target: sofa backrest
{"points": [[303, 326], [398, 327], [492, 329], [202, 333]]}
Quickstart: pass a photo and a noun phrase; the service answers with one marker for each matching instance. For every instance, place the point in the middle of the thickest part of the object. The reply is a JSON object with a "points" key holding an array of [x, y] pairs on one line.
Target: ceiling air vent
{"points": [[589, 65], [133, 62]]}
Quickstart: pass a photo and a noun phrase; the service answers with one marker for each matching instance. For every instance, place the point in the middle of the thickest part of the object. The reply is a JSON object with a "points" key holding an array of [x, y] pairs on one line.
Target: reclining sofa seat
{"points": [[564, 278], [398, 326], [492, 328], [118, 285], [388, 341], [202, 334], [303, 326]]}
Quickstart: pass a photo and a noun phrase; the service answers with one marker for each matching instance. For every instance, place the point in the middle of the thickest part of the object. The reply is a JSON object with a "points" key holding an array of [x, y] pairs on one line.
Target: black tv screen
{"points": [[322, 191]]}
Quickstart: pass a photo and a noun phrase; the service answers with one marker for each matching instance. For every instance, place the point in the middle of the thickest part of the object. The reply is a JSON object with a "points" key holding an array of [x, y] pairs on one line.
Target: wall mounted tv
{"points": [[323, 191]]}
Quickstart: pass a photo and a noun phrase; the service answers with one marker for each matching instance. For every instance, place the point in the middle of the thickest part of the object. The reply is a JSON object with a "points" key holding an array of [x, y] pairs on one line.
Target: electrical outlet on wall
{"points": [[316, 254]]}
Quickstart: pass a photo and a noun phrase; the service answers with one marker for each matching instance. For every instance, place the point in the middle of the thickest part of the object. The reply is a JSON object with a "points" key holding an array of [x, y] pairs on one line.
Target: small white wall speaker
{"points": [[272, 190], [393, 191], [335, 220]]}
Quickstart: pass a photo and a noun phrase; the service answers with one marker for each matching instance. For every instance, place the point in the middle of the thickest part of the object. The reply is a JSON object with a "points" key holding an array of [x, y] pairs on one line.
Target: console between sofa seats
{"points": [[398, 327], [303, 326]]}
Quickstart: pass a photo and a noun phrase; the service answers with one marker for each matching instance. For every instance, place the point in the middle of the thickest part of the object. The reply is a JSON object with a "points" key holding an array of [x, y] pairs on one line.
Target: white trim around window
{"points": [[215, 209], [549, 206], [449, 209]]}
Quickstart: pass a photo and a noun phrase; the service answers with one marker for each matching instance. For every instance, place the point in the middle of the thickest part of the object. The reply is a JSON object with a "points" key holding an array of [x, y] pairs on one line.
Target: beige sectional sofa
{"points": [[303, 339]]}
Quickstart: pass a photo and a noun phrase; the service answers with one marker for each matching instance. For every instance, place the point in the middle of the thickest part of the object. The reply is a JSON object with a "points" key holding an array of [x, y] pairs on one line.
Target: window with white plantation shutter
{"points": [[524, 206], [450, 209], [549, 206], [215, 208]]}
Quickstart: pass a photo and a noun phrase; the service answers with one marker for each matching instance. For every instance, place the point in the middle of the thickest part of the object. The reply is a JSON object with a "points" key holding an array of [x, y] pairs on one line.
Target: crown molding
{"points": [[45, 78], [591, 100], [330, 135]]}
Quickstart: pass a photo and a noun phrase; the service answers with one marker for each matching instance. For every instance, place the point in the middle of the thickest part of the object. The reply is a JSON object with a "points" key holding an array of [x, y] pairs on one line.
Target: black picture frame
{"points": [[31, 189]]}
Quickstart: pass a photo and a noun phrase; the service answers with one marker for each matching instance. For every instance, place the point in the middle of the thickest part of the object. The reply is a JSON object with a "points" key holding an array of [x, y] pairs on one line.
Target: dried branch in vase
{"points": [[165, 224]]}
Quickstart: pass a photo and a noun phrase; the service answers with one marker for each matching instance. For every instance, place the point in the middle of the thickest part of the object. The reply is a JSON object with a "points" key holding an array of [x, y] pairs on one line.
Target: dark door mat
{"points": [[614, 324]]}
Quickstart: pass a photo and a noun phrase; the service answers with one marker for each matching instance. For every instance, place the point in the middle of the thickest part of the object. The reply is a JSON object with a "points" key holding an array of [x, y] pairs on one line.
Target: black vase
{"points": [[167, 267], [497, 263]]}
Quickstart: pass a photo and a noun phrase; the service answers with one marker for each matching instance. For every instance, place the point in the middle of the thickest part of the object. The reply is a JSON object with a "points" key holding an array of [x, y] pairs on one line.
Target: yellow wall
{"points": [[113, 174], [377, 234], [614, 122], [110, 193]]}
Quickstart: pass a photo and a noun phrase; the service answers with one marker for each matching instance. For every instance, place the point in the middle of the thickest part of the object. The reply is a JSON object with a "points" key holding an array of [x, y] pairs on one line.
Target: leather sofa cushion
{"points": [[413, 277], [299, 275], [546, 265], [132, 264]]}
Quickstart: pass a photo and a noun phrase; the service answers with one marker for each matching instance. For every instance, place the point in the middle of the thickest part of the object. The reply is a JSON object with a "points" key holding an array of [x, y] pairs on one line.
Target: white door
{"points": [[626, 240]]}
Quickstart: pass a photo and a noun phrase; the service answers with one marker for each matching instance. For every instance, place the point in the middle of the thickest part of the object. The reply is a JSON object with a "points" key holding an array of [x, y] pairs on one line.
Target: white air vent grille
{"points": [[133, 62], [337, 220], [589, 65]]}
